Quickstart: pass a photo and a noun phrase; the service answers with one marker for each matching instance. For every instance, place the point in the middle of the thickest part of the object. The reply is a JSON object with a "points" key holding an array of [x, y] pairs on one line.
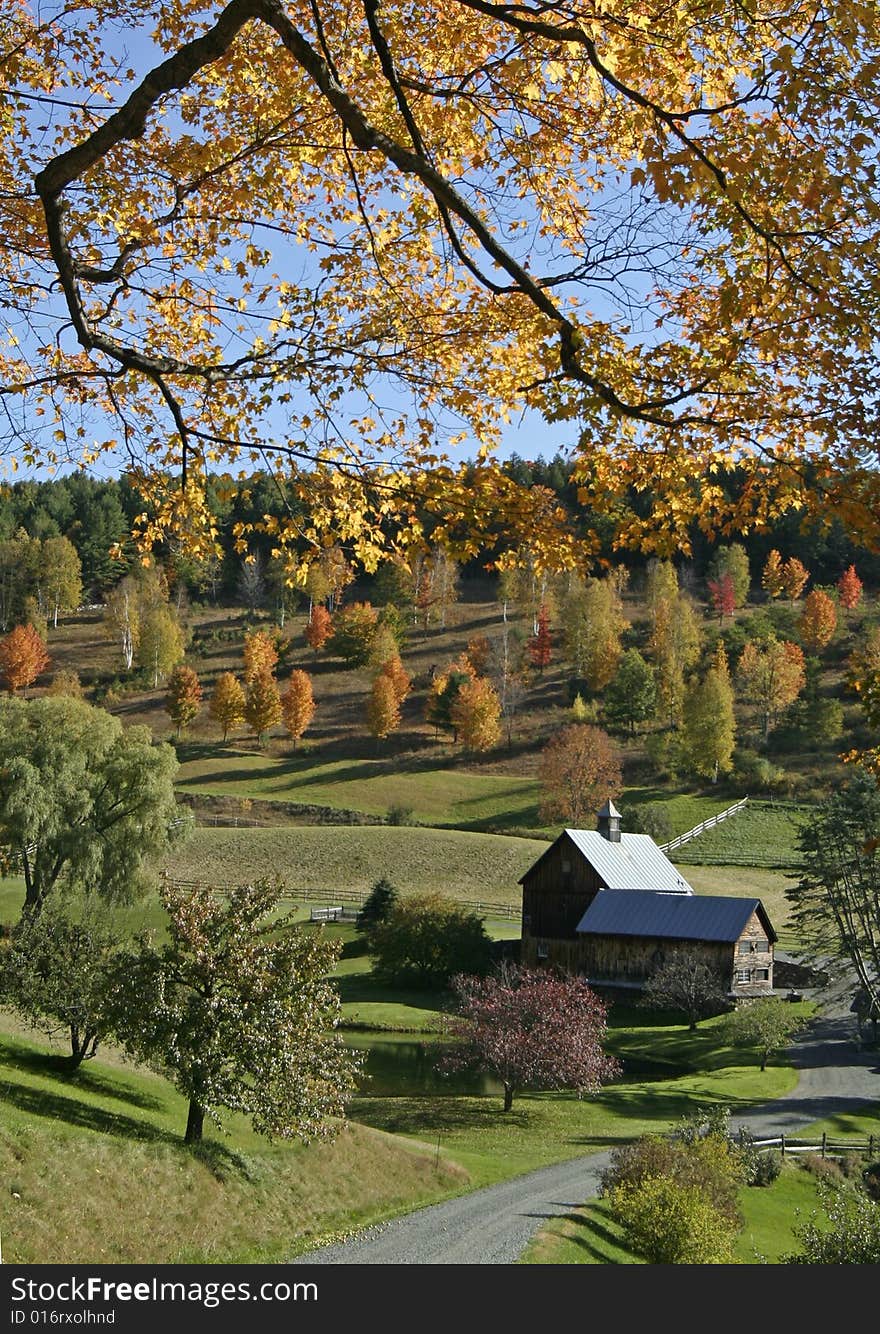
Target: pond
{"points": [[402, 1066]]}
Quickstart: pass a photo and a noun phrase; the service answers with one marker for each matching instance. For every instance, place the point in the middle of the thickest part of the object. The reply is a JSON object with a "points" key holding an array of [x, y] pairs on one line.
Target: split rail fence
{"points": [[342, 897], [825, 1145]]}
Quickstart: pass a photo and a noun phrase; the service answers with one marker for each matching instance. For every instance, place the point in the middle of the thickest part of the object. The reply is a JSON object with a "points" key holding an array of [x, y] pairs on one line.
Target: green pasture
{"points": [[468, 866], [435, 794]]}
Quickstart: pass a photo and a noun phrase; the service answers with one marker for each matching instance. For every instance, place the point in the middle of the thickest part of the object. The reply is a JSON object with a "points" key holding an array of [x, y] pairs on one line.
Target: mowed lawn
{"points": [[469, 867]]}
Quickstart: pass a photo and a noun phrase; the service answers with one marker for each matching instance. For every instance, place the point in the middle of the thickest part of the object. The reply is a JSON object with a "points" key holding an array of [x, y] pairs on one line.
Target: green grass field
{"points": [[75, 1152], [434, 794], [756, 836], [468, 866]]}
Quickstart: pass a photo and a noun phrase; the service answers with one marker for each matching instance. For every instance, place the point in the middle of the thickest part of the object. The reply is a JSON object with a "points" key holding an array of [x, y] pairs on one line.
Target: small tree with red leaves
{"points": [[540, 644], [319, 628], [723, 595], [530, 1030], [849, 588]]}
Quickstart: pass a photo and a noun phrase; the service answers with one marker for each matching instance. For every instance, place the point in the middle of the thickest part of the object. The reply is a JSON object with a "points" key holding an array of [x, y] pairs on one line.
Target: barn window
{"points": [[742, 975], [542, 952], [762, 974], [566, 868], [762, 945]]}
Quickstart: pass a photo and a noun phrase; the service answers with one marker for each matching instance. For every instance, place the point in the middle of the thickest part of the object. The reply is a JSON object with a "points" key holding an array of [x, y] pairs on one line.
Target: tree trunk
{"points": [[508, 1097], [194, 1123]]}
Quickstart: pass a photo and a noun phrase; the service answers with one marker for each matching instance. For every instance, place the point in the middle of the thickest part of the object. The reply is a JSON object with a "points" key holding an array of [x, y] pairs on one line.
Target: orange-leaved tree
{"points": [[580, 769], [771, 676], [383, 707], [772, 579], [22, 657], [794, 577], [818, 620], [849, 588], [319, 628], [262, 705], [216, 300], [476, 715], [260, 654], [298, 704]]}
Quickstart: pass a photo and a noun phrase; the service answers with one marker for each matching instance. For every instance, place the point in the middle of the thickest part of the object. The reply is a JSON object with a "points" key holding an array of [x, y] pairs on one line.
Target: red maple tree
{"points": [[530, 1030], [540, 644], [723, 595], [849, 588], [319, 628]]}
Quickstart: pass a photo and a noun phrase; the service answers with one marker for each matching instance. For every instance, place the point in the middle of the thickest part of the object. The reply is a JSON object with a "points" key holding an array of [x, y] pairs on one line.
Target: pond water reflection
{"points": [[403, 1066]]}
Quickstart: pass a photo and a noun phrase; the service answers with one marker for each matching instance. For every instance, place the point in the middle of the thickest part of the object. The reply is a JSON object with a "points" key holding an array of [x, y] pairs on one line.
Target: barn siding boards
{"points": [[640, 910]]}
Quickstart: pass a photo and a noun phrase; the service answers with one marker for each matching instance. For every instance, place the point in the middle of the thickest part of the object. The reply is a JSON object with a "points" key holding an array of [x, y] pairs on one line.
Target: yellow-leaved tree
{"points": [[335, 240]]}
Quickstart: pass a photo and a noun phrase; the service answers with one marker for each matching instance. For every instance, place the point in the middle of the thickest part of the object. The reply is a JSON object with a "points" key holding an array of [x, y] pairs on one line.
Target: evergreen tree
{"points": [[377, 906]]}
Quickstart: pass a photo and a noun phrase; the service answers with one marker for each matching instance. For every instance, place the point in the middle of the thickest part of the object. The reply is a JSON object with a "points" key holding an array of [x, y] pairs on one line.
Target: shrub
{"points": [[848, 1235], [653, 818], [671, 1223], [400, 815], [766, 1169], [708, 1164], [426, 939], [826, 1169], [871, 1181]]}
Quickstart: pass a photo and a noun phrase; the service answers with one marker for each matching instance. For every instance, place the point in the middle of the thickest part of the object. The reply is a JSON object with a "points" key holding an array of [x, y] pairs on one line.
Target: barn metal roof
{"points": [[634, 863], [641, 912]]}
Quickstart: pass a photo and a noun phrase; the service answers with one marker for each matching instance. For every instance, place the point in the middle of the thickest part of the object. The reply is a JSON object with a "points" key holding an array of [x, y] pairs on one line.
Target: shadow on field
{"points": [[430, 1116], [85, 1079], [59, 1107], [597, 1230]]}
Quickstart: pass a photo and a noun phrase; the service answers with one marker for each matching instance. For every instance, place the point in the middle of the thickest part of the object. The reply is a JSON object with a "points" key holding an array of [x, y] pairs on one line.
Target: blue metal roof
{"points": [[641, 912]]}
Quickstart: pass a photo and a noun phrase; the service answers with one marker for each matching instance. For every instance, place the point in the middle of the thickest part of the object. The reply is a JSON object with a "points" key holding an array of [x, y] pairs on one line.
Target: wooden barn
{"points": [[612, 907]]}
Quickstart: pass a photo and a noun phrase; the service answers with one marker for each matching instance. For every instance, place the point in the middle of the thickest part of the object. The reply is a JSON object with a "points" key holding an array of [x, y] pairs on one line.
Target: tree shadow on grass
{"points": [[589, 1231], [75, 1112], [85, 1079], [222, 1162], [428, 1116]]}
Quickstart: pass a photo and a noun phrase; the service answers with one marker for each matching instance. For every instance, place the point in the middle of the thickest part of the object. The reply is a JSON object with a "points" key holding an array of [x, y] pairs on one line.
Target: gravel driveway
{"points": [[494, 1225]]}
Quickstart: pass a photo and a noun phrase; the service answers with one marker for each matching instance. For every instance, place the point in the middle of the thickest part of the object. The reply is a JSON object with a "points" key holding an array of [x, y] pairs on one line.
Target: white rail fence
{"points": [[825, 1145], [703, 826]]}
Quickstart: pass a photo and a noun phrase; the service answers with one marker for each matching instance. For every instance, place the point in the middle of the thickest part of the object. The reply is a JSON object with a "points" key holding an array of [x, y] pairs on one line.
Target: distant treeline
{"points": [[97, 516]]}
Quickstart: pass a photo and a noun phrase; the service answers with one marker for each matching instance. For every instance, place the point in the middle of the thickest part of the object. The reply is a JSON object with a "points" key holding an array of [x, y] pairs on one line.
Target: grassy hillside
{"points": [[467, 866], [433, 794], [76, 1151]]}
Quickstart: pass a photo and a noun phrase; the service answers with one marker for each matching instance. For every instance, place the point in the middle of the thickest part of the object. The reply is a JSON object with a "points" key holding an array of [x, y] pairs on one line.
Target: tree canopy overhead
{"points": [[331, 237]]}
